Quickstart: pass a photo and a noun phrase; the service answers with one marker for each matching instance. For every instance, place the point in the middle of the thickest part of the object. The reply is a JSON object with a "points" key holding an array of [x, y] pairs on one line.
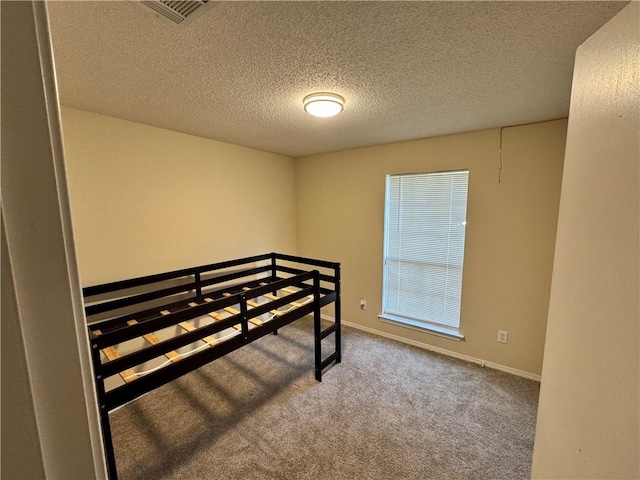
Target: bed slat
{"points": [[111, 353], [217, 316], [234, 311], [275, 297], [256, 304], [270, 296], [154, 340], [190, 328]]}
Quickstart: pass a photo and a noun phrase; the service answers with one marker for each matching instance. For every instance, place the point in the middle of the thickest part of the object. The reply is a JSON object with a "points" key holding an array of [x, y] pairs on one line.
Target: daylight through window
{"points": [[425, 221]]}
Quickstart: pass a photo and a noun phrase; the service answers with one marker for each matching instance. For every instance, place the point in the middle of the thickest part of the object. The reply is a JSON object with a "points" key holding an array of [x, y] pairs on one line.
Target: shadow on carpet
{"points": [[387, 411]]}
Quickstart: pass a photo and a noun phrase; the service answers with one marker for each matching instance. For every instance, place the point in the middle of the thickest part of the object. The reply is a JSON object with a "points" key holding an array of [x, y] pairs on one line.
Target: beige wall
{"points": [[147, 200], [510, 232], [588, 419]]}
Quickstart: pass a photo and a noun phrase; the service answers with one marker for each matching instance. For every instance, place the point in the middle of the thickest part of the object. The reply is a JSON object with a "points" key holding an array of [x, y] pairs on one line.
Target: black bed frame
{"points": [[200, 294]]}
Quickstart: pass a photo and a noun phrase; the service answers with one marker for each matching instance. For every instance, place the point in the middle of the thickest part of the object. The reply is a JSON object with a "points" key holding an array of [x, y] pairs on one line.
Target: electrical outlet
{"points": [[502, 336], [363, 304]]}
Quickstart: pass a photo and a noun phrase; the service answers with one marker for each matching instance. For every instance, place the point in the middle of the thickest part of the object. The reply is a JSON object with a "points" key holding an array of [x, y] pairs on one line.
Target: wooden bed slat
{"points": [[217, 316], [154, 340], [190, 328], [275, 297], [288, 290], [111, 353], [233, 311], [214, 315], [256, 304]]}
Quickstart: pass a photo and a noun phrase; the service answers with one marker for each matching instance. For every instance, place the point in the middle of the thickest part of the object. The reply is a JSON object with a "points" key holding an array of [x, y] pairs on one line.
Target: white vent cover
{"points": [[178, 11]]}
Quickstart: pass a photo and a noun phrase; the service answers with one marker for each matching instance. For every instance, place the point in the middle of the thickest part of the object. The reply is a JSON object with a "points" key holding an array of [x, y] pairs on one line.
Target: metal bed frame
{"points": [[201, 291]]}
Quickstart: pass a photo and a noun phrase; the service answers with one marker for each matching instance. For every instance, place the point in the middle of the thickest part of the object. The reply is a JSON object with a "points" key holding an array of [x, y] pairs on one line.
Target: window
{"points": [[425, 221]]}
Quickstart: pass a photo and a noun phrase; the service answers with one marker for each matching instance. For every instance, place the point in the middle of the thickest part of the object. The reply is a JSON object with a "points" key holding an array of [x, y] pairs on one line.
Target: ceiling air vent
{"points": [[178, 11]]}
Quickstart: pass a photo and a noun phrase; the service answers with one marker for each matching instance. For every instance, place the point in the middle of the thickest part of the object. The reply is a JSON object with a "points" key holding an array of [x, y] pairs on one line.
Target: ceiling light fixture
{"points": [[323, 104]]}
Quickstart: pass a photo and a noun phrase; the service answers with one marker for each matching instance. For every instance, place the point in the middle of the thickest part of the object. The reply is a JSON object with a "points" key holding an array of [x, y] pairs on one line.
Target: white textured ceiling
{"points": [[406, 69]]}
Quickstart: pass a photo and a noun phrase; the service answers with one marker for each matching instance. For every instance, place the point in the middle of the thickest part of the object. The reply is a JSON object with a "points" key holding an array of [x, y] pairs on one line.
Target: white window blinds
{"points": [[425, 219]]}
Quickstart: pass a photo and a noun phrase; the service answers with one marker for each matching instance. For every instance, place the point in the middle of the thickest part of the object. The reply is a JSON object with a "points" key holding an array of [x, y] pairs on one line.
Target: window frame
{"points": [[442, 330]]}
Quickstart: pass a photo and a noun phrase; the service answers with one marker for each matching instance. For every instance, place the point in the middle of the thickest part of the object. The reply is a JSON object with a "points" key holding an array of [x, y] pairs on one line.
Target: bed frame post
{"points": [[274, 269], [243, 318], [338, 313], [104, 414], [274, 276], [198, 283], [317, 326]]}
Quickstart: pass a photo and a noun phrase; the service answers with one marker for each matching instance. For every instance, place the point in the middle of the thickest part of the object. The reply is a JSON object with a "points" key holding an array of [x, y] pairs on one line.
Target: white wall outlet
{"points": [[503, 336], [363, 304]]}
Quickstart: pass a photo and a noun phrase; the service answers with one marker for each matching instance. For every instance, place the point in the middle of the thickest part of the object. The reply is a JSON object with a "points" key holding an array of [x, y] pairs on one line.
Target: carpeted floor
{"points": [[388, 411]]}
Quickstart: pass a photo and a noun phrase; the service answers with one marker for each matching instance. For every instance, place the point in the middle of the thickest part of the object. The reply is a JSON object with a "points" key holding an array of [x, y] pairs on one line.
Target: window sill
{"points": [[439, 331]]}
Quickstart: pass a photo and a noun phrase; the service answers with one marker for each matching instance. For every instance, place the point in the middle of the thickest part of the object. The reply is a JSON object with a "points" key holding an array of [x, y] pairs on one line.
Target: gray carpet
{"points": [[387, 411]]}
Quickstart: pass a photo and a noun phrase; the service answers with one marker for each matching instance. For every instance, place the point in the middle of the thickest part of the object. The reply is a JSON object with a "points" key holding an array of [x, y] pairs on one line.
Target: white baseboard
{"points": [[443, 351]]}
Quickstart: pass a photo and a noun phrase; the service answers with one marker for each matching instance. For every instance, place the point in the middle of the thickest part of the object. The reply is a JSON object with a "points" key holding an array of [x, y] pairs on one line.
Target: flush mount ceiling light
{"points": [[323, 104]]}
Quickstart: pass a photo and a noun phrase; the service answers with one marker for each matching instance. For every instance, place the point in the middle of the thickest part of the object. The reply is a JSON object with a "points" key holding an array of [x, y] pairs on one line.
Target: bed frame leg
{"points": [[108, 444], [107, 441], [317, 326], [274, 276], [338, 315]]}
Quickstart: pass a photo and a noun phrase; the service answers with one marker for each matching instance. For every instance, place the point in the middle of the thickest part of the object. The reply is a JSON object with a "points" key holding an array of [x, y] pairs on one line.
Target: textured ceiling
{"points": [[406, 69]]}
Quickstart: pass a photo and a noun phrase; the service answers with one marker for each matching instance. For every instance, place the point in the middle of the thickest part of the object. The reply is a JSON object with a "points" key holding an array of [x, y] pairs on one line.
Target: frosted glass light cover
{"points": [[323, 104]]}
